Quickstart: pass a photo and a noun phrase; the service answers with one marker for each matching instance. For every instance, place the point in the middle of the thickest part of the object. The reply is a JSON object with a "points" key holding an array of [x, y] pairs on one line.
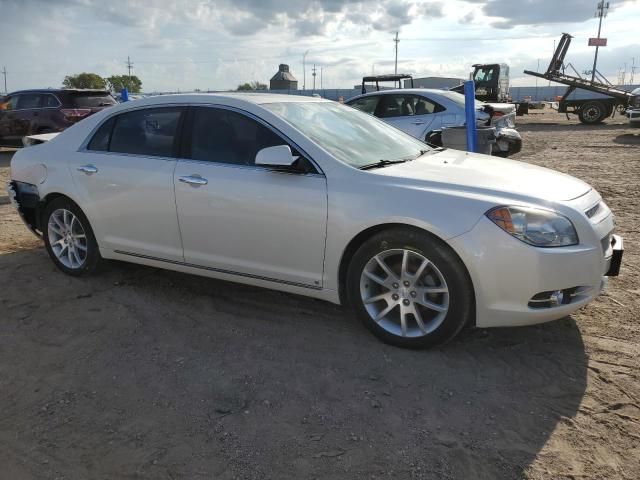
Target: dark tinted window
{"points": [[9, 103], [100, 140], [406, 105], [50, 101], [28, 100], [91, 100], [146, 132], [228, 137], [366, 104]]}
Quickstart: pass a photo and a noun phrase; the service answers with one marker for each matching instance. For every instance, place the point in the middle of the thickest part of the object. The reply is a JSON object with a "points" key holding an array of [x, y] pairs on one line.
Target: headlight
{"points": [[540, 228]]}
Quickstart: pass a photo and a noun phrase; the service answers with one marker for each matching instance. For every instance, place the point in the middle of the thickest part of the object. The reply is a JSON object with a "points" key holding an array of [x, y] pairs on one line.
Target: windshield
{"points": [[353, 137]]}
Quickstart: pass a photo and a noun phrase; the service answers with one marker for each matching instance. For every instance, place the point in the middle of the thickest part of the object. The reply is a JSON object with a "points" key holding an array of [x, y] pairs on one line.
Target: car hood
{"points": [[475, 173]]}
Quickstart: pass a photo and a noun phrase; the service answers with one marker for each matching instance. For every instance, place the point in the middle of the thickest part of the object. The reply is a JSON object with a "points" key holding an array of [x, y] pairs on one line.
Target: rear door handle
{"points": [[195, 180], [88, 169], [418, 122]]}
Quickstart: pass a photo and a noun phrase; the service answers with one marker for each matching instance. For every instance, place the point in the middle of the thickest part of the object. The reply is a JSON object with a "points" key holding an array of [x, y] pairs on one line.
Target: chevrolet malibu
{"points": [[315, 198]]}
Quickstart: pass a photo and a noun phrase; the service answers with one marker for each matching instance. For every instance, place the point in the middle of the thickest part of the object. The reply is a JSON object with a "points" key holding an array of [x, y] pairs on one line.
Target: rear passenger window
{"points": [[50, 102], [100, 140], [28, 101], [145, 132], [227, 137]]}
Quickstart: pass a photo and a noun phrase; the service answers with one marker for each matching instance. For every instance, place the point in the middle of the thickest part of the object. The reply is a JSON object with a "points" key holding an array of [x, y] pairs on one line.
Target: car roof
{"points": [[417, 91], [255, 98], [59, 90]]}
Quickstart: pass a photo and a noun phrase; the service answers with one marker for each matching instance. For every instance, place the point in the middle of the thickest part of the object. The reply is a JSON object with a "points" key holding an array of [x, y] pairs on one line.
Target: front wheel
{"points": [[410, 289], [69, 238]]}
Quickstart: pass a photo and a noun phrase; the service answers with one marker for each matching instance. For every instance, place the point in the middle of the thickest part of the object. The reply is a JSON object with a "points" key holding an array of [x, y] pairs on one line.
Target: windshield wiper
{"points": [[382, 163]]}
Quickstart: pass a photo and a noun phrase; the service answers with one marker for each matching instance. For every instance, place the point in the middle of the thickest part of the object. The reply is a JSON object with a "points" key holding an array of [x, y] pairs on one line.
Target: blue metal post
{"points": [[470, 115]]}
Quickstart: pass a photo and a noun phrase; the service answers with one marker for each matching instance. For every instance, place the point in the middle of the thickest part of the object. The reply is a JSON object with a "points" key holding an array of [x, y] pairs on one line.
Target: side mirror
{"points": [[278, 156]]}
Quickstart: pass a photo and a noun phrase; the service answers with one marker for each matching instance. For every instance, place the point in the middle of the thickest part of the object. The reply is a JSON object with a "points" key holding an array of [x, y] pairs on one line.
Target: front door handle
{"points": [[195, 180], [418, 122], [88, 169]]}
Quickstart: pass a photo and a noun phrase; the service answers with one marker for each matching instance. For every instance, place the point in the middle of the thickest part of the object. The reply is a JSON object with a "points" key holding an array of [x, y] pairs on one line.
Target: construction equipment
{"points": [[398, 77], [591, 110], [492, 82]]}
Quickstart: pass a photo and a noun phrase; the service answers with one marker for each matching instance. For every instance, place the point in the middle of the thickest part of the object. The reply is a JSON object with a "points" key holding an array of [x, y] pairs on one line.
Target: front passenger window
{"points": [[224, 136], [28, 101]]}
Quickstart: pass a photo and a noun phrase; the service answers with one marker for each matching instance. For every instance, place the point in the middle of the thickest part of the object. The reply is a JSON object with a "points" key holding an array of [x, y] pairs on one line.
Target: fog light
{"points": [[556, 298]]}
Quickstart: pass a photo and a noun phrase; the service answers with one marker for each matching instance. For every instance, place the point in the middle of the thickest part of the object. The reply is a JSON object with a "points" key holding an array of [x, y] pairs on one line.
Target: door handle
{"points": [[418, 122], [195, 180], [88, 169]]}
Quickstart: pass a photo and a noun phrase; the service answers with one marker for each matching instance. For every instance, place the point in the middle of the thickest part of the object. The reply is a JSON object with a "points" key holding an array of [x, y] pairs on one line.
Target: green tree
{"points": [[118, 82], [255, 85], [84, 80]]}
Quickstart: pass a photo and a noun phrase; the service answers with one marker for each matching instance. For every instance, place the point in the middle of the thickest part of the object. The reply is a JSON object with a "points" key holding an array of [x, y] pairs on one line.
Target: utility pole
{"points": [[4, 72], [304, 70], [537, 70], [314, 76], [129, 66], [396, 41], [633, 70], [321, 87], [601, 11]]}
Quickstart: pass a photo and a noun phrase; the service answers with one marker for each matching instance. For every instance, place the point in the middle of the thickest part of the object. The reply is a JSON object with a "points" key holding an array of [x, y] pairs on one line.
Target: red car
{"points": [[30, 112]]}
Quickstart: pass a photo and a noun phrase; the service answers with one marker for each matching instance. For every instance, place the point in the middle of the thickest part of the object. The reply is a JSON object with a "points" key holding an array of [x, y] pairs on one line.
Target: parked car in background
{"points": [[311, 197], [423, 113], [634, 113], [31, 112]]}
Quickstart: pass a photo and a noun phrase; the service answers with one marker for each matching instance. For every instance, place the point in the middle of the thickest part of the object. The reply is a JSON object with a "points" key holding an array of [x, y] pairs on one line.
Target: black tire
{"points": [[461, 298], [92, 259], [593, 113]]}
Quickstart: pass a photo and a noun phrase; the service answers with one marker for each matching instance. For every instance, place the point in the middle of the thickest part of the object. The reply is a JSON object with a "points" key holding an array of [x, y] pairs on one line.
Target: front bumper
{"points": [[507, 274], [508, 140]]}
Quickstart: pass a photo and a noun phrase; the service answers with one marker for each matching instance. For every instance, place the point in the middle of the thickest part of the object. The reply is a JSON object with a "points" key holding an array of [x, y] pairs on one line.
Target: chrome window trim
{"points": [[266, 125], [248, 167], [135, 155], [83, 146]]}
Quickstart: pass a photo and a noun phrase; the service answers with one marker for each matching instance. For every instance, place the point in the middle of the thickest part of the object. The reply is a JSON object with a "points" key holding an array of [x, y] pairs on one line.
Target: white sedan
{"points": [[315, 198], [424, 112]]}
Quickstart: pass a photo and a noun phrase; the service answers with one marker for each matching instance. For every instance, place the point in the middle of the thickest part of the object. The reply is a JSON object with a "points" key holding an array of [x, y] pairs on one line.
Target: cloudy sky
{"points": [[217, 44]]}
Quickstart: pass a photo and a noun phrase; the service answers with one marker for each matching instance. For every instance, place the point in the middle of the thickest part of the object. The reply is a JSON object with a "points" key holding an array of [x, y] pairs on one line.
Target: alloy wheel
{"points": [[67, 238], [404, 293]]}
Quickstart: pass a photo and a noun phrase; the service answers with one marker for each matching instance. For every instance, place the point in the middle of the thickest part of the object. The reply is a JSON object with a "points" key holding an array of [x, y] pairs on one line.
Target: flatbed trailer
{"points": [[590, 110]]}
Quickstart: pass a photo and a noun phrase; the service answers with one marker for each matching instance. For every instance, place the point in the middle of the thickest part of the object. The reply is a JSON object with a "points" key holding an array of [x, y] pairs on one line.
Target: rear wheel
{"points": [[409, 289], [69, 238], [592, 113]]}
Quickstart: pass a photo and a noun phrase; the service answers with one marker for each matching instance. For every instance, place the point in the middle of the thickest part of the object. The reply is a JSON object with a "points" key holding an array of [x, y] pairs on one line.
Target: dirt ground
{"points": [[148, 374]]}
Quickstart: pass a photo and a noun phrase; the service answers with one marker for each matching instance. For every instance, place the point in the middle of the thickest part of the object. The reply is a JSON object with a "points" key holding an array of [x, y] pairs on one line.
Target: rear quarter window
{"points": [[90, 100], [100, 140]]}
